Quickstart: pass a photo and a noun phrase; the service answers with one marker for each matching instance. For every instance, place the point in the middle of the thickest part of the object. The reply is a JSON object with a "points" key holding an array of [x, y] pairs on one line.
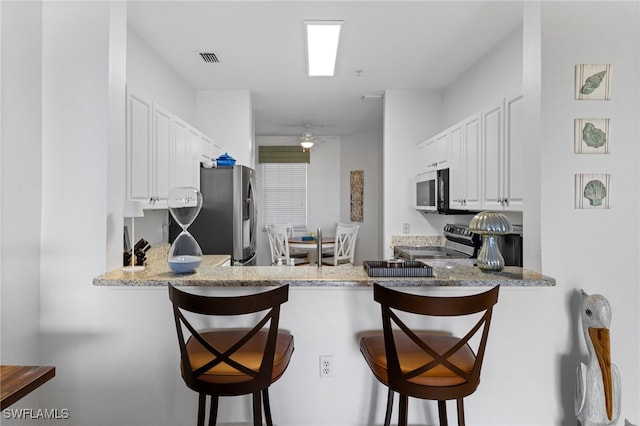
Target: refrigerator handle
{"points": [[254, 214], [246, 261]]}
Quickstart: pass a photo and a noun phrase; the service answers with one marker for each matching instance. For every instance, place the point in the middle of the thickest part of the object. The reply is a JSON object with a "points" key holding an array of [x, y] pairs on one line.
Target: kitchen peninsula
{"points": [[446, 274]]}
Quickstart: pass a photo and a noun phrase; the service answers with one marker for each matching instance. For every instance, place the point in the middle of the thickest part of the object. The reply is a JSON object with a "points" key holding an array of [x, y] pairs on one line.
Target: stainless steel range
{"points": [[460, 243]]}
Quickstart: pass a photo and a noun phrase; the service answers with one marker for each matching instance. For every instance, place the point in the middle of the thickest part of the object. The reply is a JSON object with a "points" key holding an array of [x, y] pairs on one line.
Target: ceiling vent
{"points": [[209, 57]]}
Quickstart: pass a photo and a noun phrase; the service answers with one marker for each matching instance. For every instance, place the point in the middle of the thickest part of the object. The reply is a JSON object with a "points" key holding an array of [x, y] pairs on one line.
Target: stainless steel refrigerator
{"points": [[226, 223]]}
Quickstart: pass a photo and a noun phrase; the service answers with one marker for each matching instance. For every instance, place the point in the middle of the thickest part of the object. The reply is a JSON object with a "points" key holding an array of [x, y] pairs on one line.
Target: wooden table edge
{"points": [[22, 380]]}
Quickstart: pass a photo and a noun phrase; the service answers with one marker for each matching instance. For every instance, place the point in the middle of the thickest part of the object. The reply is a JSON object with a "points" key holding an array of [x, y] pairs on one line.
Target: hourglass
{"points": [[185, 254]]}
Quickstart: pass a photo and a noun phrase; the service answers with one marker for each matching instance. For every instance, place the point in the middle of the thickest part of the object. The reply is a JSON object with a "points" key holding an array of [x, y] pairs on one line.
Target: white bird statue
{"points": [[597, 400]]}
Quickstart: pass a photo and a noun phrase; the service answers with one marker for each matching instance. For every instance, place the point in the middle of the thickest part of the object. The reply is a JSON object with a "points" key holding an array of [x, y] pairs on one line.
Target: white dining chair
{"points": [[345, 245], [279, 244], [287, 226], [300, 256]]}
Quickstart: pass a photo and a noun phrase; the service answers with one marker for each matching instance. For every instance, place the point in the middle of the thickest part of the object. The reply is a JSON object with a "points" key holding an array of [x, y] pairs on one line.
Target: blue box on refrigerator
{"points": [[225, 160]]}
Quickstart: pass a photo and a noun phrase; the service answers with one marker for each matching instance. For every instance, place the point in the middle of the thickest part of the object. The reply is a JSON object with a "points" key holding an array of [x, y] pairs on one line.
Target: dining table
{"points": [[310, 246]]}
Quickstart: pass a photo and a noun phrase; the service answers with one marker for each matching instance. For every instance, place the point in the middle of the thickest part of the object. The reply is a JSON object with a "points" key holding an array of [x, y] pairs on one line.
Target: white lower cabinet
{"points": [[163, 151]]}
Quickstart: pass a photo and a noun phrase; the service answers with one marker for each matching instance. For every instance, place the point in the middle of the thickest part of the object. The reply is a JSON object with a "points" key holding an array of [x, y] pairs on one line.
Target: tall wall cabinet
{"points": [[503, 179], [465, 164], [485, 157], [163, 151]]}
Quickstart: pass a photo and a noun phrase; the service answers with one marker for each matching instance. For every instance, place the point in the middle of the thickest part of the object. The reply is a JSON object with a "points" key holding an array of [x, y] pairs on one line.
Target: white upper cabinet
{"points": [[457, 167], [485, 157], [503, 155], [493, 144], [434, 153], [514, 154], [464, 165], [140, 150], [208, 149], [186, 155], [163, 151], [162, 120]]}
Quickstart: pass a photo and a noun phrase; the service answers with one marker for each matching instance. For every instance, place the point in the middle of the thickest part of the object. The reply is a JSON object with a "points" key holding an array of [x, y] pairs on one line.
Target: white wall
{"points": [[86, 329], [150, 77], [496, 75], [570, 244], [596, 250], [21, 159], [409, 118], [226, 116], [363, 151]]}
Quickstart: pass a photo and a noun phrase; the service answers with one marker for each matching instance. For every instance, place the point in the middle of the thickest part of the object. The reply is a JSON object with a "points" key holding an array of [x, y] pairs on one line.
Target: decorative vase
{"points": [[489, 224], [489, 258]]}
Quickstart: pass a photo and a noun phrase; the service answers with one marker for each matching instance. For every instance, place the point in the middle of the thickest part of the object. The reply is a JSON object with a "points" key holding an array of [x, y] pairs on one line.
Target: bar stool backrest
{"points": [[394, 303], [268, 302]]}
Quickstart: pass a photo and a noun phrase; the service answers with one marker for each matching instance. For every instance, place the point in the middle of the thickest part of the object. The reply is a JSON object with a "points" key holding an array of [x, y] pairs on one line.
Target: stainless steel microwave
{"points": [[426, 191], [432, 193]]}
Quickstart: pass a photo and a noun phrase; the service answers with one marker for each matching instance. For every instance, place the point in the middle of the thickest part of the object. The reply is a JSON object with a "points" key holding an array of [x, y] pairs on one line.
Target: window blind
{"points": [[284, 196], [282, 154]]}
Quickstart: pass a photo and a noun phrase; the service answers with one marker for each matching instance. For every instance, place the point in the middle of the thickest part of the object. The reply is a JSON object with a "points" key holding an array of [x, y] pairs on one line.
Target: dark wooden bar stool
{"points": [[426, 364], [232, 361]]}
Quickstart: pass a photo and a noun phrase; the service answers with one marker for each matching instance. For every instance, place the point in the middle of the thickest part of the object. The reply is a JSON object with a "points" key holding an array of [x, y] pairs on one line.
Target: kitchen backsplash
{"points": [[417, 240]]}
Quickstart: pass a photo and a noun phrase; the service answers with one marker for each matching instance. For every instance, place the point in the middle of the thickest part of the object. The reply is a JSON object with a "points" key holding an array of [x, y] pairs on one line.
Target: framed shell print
{"points": [[592, 191], [591, 136], [593, 82]]}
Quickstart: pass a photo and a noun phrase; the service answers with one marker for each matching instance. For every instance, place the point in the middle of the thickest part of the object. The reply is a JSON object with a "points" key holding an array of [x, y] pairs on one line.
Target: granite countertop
{"points": [[446, 273], [417, 240]]}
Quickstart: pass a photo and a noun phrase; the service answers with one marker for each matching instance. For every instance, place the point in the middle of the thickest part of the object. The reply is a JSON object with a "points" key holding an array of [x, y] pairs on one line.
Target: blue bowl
{"points": [[184, 264], [225, 160]]}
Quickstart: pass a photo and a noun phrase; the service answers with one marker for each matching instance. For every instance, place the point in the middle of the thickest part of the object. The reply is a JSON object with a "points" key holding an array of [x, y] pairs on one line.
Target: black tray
{"points": [[378, 268]]}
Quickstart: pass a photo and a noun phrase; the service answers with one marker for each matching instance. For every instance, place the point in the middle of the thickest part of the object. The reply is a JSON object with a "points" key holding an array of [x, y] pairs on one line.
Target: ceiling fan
{"points": [[307, 139]]}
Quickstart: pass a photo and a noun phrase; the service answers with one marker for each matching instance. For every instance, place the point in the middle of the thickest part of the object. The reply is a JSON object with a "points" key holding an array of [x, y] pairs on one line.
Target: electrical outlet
{"points": [[405, 228], [326, 366]]}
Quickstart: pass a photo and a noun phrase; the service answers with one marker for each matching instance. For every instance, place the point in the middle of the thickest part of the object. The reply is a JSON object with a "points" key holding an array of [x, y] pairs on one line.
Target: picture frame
{"points": [[593, 82], [592, 191], [591, 136]]}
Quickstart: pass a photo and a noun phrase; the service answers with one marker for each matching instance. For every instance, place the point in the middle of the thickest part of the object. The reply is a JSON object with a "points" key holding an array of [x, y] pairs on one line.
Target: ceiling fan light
{"points": [[306, 144]]}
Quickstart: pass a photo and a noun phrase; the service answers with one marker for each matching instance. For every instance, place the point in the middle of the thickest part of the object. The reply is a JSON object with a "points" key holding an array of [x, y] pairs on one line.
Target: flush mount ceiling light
{"points": [[322, 46]]}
